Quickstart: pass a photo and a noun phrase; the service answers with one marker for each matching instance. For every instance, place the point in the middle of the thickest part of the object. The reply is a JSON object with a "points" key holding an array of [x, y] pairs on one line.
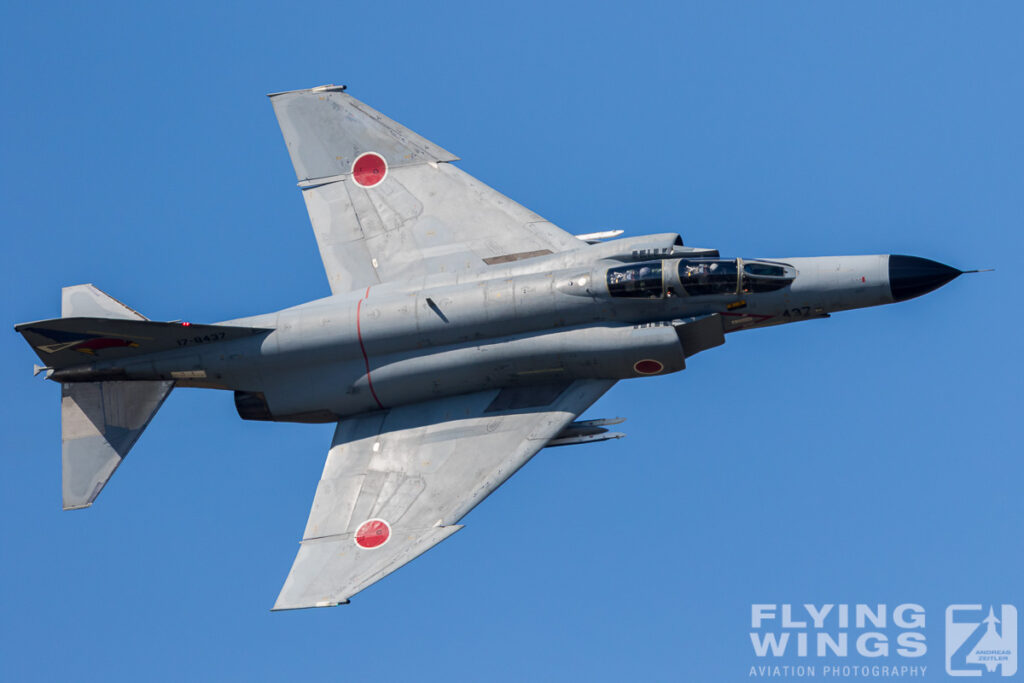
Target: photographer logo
{"points": [[981, 640]]}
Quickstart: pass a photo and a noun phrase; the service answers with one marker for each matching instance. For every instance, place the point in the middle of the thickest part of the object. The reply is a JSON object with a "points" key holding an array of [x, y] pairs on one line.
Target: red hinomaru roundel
{"points": [[369, 169], [373, 533], [648, 367]]}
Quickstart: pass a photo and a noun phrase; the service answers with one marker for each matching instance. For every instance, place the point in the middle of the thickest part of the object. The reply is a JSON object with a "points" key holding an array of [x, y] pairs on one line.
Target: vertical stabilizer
{"points": [[85, 301], [100, 422]]}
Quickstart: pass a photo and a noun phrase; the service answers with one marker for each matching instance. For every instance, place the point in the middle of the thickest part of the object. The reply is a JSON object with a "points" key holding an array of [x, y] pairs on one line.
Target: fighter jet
{"points": [[463, 334]]}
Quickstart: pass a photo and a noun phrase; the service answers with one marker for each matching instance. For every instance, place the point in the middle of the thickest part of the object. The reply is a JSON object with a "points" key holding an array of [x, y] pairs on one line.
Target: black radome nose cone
{"points": [[911, 276]]}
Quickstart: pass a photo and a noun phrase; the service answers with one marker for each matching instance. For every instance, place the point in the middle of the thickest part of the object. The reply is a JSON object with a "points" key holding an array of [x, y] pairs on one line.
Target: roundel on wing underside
{"points": [[373, 533], [369, 169]]}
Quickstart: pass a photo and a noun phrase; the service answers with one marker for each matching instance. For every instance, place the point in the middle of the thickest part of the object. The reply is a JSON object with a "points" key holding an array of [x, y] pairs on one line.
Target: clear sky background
{"points": [[873, 457]]}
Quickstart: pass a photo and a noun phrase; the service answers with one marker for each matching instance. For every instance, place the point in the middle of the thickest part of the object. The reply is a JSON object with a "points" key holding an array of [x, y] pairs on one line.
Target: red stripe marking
{"points": [[366, 359]]}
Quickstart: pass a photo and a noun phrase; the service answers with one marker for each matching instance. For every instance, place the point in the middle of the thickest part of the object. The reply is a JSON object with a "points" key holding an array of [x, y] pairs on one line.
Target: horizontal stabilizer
{"points": [[65, 342], [100, 422]]}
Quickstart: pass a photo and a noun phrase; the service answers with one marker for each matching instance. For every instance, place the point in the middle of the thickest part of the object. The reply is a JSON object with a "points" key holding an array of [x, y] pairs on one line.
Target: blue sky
{"points": [[874, 457]]}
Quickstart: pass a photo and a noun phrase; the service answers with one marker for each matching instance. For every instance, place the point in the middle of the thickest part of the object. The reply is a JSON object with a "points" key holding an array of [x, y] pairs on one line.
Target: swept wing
{"points": [[409, 474], [386, 204]]}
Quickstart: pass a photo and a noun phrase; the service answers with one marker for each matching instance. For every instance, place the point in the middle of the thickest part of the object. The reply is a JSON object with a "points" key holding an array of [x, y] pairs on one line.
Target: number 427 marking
{"points": [[801, 312]]}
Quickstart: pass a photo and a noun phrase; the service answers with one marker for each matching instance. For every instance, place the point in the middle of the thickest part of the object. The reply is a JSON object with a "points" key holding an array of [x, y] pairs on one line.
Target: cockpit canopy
{"points": [[766, 276], [697, 277], [639, 280], [704, 277]]}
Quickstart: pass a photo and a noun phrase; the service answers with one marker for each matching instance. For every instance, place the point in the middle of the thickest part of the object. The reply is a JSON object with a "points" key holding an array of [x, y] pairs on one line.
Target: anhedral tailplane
{"points": [[100, 421]]}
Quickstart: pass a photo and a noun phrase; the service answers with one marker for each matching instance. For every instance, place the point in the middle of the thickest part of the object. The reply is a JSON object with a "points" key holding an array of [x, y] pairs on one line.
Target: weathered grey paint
{"points": [[100, 422], [463, 334], [463, 452]]}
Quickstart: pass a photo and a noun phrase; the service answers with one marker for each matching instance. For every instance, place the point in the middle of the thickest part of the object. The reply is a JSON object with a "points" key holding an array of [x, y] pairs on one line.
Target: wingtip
{"points": [[278, 607], [330, 87]]}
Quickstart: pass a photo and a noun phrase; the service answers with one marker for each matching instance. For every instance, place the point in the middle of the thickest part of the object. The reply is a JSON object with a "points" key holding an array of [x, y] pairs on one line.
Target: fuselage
{"points": [[400, 343]]}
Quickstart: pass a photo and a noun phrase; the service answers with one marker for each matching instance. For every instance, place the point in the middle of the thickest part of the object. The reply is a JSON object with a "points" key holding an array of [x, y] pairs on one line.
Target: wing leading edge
{"points": [[397, 482], [386, 205]]}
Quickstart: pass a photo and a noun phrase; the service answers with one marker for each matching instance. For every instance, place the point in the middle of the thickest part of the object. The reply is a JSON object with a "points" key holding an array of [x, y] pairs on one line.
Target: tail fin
{"points": [[85, 301], [97, 327], [100, 422]]}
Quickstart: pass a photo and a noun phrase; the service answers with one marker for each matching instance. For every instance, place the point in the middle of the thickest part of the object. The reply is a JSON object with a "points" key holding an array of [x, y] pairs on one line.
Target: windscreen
{"points": [[763, 276]]}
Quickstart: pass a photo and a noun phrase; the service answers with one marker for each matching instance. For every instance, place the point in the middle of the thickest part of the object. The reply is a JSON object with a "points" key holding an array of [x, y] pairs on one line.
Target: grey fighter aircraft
{"points": [[464, 333]]}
